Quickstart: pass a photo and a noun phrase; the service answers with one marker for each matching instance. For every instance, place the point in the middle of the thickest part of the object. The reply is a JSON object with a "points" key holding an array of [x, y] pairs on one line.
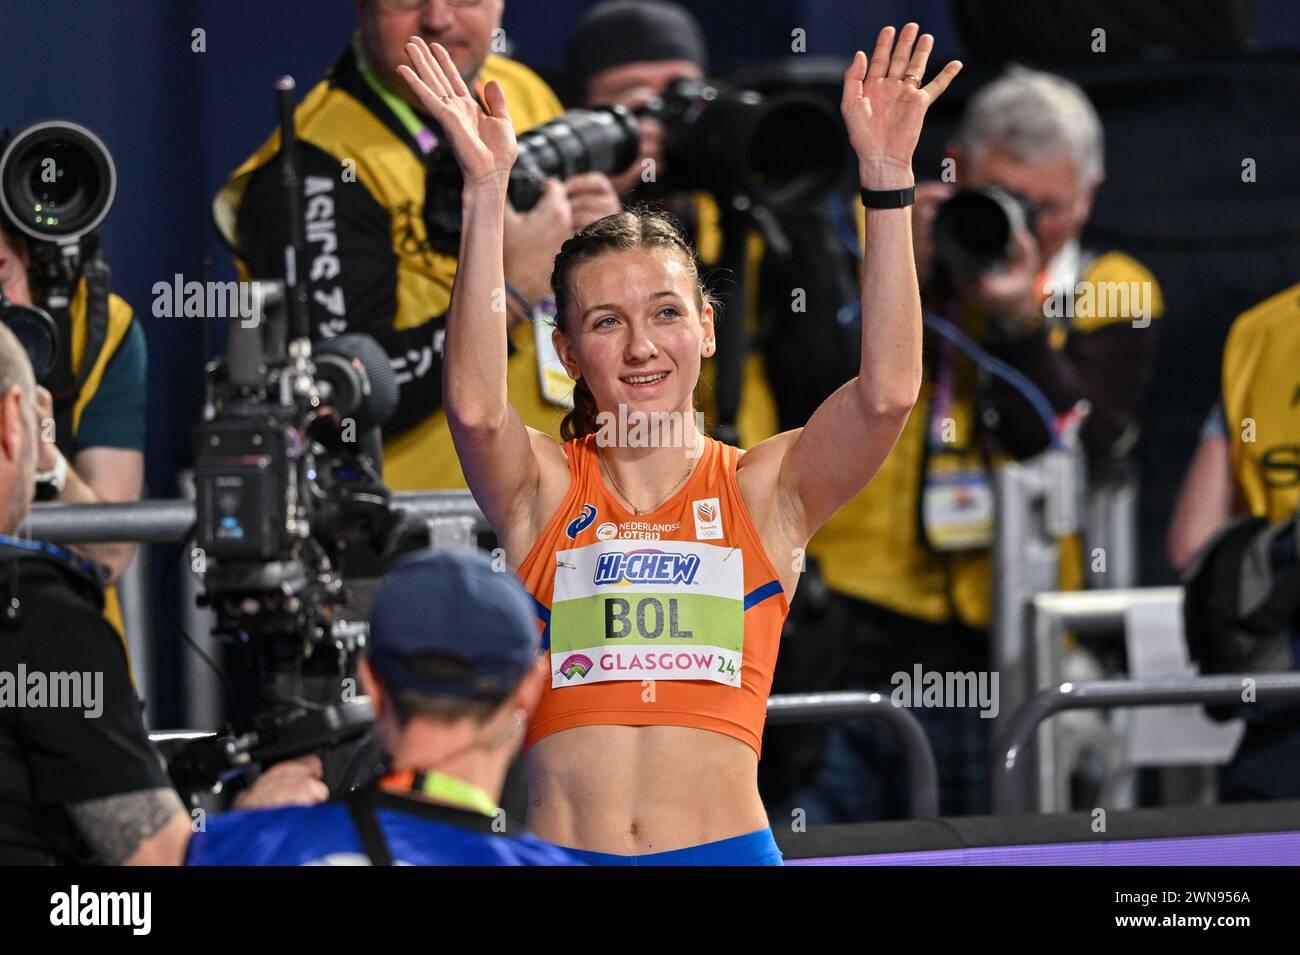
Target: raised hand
{"points": [[884, 104], [484, 143]]}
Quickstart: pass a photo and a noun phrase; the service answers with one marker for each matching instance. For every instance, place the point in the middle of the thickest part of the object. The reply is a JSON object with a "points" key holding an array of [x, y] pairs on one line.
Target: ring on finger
{"points": [[914, 78]]}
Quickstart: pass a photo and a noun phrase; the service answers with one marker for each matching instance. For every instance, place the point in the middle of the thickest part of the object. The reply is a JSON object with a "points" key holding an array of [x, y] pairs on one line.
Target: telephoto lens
{"points": [[57, 181], [973, 230], [582, 140], [36, 332], [776, 151]]}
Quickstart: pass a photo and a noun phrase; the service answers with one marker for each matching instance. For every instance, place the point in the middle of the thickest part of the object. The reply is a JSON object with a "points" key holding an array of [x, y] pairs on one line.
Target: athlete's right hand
{"points": [[484, 143]]}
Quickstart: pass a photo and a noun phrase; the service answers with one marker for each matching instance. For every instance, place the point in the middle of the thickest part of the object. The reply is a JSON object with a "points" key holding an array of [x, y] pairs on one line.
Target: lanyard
{"points": [[423, 135], [945, 387], [443, 788]]}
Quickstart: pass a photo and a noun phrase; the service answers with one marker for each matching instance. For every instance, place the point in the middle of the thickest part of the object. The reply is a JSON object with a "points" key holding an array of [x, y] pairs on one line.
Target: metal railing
{"points": [[1048, 618], [788, 708], [451, 519], [165, 521], [1012, 742], [922, 772]]}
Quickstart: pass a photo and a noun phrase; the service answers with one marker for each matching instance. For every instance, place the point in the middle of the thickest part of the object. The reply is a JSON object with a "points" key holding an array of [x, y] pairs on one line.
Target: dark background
{"points": [[1178, 125]]}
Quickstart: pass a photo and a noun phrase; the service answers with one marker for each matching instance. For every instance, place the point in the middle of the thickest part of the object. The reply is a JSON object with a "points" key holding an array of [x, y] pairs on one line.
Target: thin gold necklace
{"points": [[636, 511]]}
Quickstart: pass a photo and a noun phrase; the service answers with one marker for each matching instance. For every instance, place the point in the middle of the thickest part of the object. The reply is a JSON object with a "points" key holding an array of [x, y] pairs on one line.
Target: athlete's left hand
{"points": [[884, 104]]}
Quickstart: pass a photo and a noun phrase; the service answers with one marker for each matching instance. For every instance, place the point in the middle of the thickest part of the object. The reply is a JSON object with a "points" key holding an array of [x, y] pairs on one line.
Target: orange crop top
{"points": [[670, 618]]}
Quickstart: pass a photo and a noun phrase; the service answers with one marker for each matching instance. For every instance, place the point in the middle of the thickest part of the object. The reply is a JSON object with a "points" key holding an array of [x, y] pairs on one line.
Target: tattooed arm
{"points": [[145, 827], [151, 826]]}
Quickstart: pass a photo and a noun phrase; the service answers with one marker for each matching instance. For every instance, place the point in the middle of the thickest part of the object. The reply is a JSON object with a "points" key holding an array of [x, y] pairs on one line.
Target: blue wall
{"points": [[178, 122]]}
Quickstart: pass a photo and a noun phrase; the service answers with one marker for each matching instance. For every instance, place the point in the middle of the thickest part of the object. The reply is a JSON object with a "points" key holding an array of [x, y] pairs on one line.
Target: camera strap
{"points": [[65, 382], [361, 807], [419, 131]]}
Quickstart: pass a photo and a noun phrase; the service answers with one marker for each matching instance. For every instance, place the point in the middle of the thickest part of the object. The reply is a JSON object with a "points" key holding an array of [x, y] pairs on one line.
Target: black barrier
{"points": [[1006, 791], [922, 772]]}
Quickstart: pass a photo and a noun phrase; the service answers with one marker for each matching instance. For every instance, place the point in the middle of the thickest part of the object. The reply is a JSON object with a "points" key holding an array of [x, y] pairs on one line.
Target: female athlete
{"points": [[662, 569]]}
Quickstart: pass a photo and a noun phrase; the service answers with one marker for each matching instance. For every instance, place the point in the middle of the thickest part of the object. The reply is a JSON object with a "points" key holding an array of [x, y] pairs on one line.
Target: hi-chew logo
{"points": [[647, 566], [708, 519], [576, 665], [582, 521]]}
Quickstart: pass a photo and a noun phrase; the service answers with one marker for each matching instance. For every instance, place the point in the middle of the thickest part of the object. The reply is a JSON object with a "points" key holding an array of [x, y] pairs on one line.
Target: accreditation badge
{"points": [[554, 380], [957, 509]]}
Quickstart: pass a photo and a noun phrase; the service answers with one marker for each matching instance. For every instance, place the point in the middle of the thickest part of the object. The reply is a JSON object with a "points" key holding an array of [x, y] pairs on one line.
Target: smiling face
{"points": [[635, 329]]}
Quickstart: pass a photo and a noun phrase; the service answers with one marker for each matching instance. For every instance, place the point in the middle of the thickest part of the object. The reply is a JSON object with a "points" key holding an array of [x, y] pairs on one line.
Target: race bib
{"points": [[957, 509], [630, 610]]}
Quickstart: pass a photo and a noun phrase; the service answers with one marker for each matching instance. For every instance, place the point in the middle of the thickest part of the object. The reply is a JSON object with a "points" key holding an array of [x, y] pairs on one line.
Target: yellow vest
{"points": [[119, 322], [1261, 401], [334, 121], [872, 548]]}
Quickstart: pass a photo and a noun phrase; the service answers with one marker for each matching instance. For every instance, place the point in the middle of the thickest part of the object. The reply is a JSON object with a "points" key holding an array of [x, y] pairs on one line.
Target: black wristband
{"points": [[888, 198]]}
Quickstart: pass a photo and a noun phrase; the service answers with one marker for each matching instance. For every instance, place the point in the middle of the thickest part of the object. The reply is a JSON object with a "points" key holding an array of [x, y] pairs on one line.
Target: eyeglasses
{"points": [[408, 6]]}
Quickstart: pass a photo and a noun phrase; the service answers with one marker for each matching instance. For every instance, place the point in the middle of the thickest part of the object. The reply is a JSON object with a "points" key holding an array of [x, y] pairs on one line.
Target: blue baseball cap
{"points": [[451, 602]]}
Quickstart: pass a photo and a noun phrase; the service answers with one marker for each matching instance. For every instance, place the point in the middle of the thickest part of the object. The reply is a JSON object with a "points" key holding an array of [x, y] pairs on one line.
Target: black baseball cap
{"points": [[618, 32]]}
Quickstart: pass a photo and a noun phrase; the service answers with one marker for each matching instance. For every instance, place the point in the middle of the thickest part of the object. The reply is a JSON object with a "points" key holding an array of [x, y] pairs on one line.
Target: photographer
{"points": [[1247, 466], [383, 221], [452, 694], [626, 53], [908, 561], [79, 780], [95, 452]]}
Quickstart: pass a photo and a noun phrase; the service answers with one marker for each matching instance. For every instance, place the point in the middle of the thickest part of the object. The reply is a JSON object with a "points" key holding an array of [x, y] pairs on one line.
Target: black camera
{"points": [[57, 181], [582, 140], [776, 151], [973, 230], [57, 185], [287, 491], [289, 499], [36, 331]]}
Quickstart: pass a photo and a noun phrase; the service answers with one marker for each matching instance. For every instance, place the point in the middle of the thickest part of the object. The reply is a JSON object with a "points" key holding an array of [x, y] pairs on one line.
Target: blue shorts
{"points": [[754, 848]]}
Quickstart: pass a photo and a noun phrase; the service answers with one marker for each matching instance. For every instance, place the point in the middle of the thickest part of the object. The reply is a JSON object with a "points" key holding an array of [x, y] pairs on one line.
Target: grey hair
{"points": [[16, 367], [1033, 115]]}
